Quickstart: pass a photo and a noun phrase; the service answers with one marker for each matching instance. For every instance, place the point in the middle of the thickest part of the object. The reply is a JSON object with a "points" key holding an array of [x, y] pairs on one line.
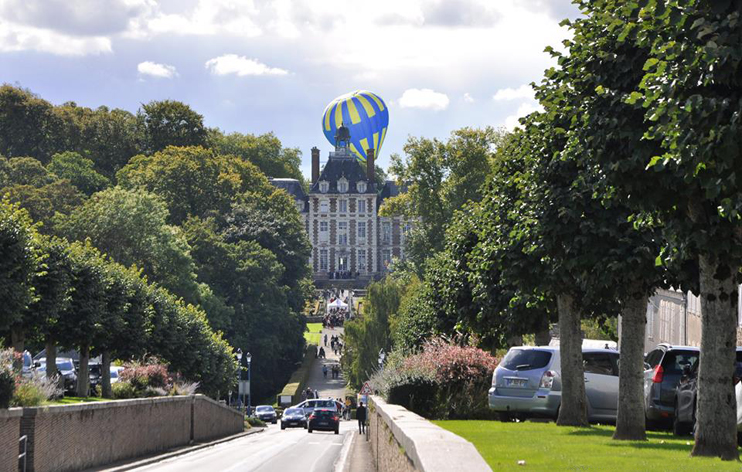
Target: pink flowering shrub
{"points": [[146, 377], [442, 381]]}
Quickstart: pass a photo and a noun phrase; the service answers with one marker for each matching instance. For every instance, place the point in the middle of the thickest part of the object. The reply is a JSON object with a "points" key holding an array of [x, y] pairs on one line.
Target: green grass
{"points": [[544, 446], [73, 400], [313, 333]]}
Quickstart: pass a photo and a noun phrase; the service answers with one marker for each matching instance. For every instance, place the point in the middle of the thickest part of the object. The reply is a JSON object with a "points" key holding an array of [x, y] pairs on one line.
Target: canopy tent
{"points": [[337, 304]]}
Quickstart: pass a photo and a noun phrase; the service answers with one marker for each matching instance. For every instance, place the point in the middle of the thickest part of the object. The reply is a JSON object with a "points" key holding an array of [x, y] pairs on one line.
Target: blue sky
{"points": [[256, 66]]}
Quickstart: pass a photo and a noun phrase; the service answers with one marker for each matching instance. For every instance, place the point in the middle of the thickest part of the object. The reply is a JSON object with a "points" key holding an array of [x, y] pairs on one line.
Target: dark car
{"points": [[324, 419], [663, 370], [293, 417], [684, 417], [95, 376], [66, 368], [266, 413]]}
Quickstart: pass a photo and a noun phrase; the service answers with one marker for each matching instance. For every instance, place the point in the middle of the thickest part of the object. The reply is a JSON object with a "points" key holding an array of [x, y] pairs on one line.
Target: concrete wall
{"points": [[213, 420], [10, 428], [74, 437], [402, 441]]}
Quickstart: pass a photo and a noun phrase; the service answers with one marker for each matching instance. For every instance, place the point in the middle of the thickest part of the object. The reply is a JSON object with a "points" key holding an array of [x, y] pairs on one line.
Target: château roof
{"points": [[292, 186], [337, 168], [390, 189]]}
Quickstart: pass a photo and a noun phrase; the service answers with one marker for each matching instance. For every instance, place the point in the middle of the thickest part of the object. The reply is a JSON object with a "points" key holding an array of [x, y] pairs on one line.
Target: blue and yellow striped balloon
{"points": [[364, 114]]}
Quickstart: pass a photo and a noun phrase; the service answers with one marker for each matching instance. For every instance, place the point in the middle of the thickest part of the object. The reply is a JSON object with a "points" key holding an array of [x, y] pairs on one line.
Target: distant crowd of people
{"points": [[335, 318], [342, 274], [335, 344]]}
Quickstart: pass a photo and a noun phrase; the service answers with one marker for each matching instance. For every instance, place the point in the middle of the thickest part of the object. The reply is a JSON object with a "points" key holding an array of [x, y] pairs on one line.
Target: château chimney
{"points": [[315, 165], [370, 169]]}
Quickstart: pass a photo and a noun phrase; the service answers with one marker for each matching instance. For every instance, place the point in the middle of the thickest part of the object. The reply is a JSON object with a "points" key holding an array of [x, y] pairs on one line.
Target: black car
{"points": [[266, 413], [663, 368], [685, 397], [293, 417], [65, 368], [324, 419]]}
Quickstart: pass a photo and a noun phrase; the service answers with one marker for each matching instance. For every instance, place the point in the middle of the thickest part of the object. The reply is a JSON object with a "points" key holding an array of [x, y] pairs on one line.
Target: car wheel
{"points": [[680, 428], [283, 426], [505, 417], [275, 421], [337, 431], [309, 430]]}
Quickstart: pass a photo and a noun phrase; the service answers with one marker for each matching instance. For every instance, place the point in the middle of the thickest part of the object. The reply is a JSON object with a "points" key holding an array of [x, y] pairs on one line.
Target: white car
{"points": [[115, 371], [309, 405]]}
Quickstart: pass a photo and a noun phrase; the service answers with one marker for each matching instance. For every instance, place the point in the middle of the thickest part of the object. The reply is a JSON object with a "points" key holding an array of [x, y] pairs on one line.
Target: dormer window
{"points": [[342, 185], [361, 187], [324, 186]]}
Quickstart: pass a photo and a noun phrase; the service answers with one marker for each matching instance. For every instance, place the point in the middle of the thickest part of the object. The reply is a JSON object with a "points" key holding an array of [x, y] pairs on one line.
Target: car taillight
{"points": [[311, 417], [659, 373], [547, 380]]}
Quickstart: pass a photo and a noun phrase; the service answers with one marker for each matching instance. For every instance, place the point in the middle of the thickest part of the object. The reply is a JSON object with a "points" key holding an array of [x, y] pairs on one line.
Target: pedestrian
{"points": [[361, 417], [324, 370], [322, 352], [316, 393], [325, 339], [347, 408]]}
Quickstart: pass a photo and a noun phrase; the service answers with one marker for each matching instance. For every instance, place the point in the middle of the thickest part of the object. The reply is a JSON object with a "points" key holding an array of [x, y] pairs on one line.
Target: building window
{"points": [[323, 231], [343, 233], [361, 187], [386, 258], [342, 186], [386, 232], [324, 186], [362, 261], [343, 206], [324, 206], [323, 259], [361, 232], [362, 206]]}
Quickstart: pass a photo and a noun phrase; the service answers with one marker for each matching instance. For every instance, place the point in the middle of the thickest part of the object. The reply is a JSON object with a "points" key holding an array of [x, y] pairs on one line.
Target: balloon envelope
{"points": [[364, 114]]}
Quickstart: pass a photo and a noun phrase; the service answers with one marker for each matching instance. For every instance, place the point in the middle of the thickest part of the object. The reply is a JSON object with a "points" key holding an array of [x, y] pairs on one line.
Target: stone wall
{"points": [[10, 429], [403, 441], [212, 420], [74, 437]]}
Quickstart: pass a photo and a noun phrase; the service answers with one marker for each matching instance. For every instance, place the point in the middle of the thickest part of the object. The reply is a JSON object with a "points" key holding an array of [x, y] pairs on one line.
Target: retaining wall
{"points": [[73, 437], [10, 432], [403, 441]]}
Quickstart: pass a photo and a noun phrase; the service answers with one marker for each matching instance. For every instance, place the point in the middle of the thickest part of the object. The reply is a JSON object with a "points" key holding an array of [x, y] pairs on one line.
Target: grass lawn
{"points": [[72, 400], [544, 446], [313, 333]]}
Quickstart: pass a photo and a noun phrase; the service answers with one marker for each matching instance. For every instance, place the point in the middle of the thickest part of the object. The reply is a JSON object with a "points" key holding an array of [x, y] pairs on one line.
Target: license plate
{"points": [[516, 382], [323, 423]]}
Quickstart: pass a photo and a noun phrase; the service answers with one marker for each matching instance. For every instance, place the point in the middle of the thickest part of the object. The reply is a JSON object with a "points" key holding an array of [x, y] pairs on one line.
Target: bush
{"points": [[443, 381], [7, 377], [122, 390], [35, 391], [255, 422], [146, 377]]}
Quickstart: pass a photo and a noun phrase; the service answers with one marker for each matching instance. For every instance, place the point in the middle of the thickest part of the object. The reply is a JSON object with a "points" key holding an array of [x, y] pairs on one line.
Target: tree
{"points": [[131, 227], [19, 259], [79, 171], [170, 123], [27, 124], [264, 151]]}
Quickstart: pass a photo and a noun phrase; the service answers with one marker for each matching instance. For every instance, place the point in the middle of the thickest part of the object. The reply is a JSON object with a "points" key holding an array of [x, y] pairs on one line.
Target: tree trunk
{"points": [[716, 411], [18, 341], [51, 358], [573, 411], [83, 374], [105, 375], [630, 423], [543, 336]]}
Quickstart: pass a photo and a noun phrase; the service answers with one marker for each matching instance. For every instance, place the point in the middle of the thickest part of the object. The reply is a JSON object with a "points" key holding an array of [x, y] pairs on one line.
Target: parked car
{"points": [[266, 413], [115, 371], [324, 419], [528, 383], [309, 405], [27, 370], [95, 374], [293, 417], [66, 369], [684, 415], [663, 368]]}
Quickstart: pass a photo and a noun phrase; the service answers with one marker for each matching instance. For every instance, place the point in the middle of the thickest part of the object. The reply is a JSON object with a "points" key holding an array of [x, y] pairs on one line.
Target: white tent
{"points": [[337, 304]]}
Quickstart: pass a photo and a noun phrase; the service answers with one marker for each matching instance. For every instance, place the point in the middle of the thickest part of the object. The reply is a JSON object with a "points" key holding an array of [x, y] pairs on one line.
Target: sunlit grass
{"points": [[313, 333], [544, 446], [73, 400]]}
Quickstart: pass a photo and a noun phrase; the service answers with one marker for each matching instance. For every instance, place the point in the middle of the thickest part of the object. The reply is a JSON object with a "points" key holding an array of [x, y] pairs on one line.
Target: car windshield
{"points": [[294, 411], [324, 404], [114, 373], [27, 361], [526, 359], [323, 413], [675, 360], [63, 364], [95, 369], [265, 409]]}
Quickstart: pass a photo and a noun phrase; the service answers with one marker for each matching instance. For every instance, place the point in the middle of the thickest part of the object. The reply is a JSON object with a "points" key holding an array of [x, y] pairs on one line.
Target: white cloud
{"points": [[524, 91], [523, 110], [241, 66], [468, 98], [427, 99], [15, 38], [157, 70]]}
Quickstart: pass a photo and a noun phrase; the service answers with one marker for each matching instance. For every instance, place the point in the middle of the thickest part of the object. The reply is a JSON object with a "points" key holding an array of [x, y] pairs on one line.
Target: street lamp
{"points": [[248, 358], [239, 370]]}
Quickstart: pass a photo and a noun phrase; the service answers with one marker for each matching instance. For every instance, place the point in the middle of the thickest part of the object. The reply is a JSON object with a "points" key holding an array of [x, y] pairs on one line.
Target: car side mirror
{"points": [[647, 366]]}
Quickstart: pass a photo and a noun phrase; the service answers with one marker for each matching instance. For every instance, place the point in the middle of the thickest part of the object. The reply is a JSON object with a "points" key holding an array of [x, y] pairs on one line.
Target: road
{"points": [[275, 450]]}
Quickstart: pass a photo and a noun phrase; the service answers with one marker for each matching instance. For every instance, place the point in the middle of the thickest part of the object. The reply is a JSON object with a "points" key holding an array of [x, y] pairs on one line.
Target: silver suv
{"points": [[528, 383]]}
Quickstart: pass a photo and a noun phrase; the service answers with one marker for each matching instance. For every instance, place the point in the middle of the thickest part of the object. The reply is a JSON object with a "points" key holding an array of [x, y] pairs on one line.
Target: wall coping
{"points": [[15, 412], [429, 447], [62, 409]]}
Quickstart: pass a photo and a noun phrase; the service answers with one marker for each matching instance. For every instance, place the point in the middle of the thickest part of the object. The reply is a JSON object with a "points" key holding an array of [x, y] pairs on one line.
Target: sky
{"points": [[258, 66]]}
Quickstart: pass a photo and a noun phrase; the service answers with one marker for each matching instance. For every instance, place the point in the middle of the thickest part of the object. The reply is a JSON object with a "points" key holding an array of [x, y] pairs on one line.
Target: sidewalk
{"points": [[327, 387], [360, 457]]}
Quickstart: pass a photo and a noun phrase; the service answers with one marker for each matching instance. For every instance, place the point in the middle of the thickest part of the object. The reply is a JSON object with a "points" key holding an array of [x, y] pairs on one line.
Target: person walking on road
{"points": [[325, 339], [324, 370], [361, 416]]}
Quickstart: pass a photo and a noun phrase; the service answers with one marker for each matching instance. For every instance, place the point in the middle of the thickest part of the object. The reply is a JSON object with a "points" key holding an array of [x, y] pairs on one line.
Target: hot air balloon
{"points": [[364, 114]]}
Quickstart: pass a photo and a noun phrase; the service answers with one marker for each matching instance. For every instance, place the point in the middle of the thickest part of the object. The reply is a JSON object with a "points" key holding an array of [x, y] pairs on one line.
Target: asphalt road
{"points": [[293, 449]]}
